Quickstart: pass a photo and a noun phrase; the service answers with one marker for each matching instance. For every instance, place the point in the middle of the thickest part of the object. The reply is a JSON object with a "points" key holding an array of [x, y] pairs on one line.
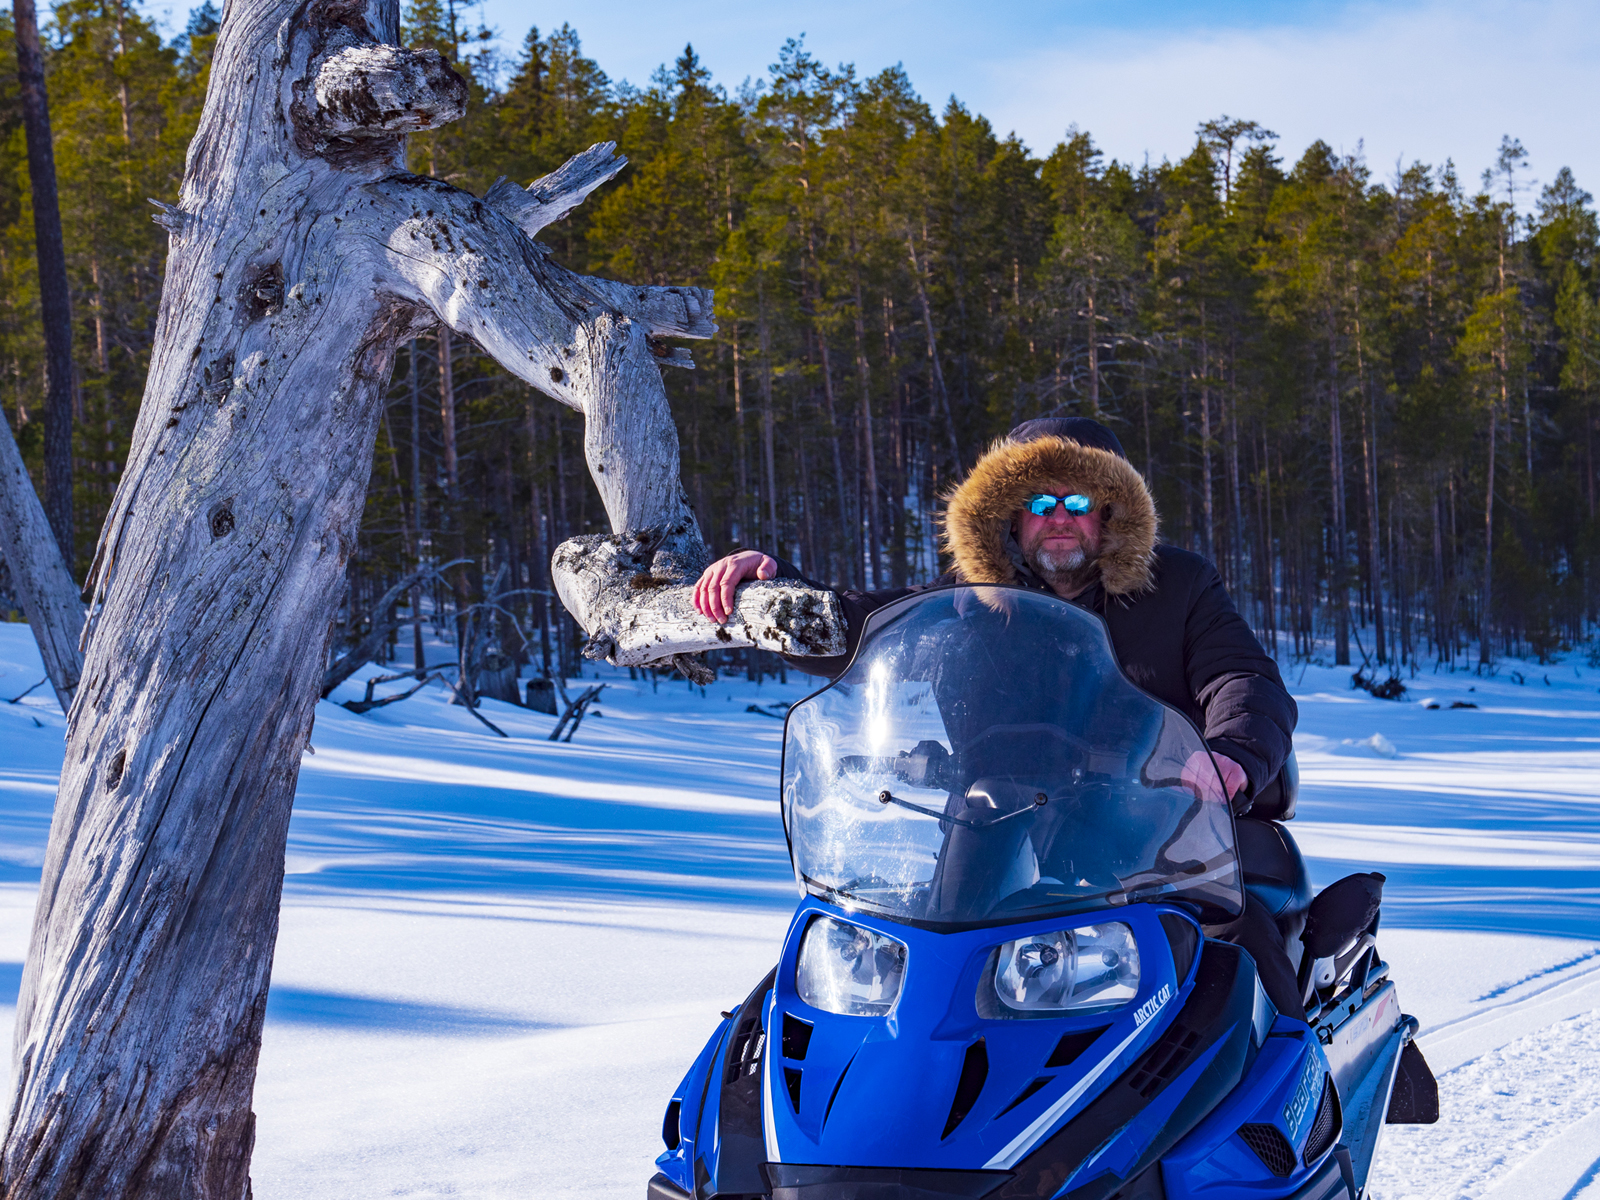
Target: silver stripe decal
{"points": [[1035, 1133]]}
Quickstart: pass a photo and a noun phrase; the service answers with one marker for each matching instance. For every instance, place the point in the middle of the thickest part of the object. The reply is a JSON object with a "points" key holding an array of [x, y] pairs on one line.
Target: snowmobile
{"points": [[998, 981]]}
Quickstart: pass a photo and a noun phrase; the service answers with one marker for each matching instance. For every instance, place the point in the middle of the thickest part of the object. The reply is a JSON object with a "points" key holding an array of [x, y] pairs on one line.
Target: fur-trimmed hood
{"points": [[977, 522]]}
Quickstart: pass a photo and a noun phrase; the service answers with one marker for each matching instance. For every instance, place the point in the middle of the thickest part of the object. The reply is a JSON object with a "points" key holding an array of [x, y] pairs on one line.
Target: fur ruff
{"points": [[978, 519]]}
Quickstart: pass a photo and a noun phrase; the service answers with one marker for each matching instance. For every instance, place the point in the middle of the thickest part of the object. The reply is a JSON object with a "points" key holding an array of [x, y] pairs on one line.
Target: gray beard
{"points": [[1049, 563], [1072, 569]]}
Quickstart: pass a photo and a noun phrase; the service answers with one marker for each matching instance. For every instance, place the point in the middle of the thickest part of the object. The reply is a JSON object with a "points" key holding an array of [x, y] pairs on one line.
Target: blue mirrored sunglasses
{"points": [[1043, 505]]}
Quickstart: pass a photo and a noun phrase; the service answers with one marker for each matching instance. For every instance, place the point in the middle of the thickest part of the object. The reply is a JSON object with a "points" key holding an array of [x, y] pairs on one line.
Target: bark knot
{"points": [[114, 771], [362, 98]]}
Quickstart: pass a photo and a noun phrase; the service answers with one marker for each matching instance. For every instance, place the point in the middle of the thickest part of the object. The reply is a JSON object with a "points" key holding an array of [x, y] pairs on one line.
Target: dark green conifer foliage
{"points": [[1320, 371]]}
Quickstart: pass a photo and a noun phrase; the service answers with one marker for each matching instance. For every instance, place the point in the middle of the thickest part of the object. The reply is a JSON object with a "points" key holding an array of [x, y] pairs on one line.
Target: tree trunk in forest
{"points": [[1503, 364], [1369, 465], [1339, 584], [742, 505], [1236, 522], [769, 468], [418, 652], [447, 412], [869, 453], [1208, 508], [50, 599], [539, 543], [940, 392], [1485, 616], [833, 442], [301, 254], [55, 298]]}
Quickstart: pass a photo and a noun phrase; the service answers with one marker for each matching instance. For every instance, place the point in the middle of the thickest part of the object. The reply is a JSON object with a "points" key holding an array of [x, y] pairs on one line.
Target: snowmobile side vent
{"points": [[1325, 1129], [1166, 1058], [1033, 1087], [796, 1037], [839, 1083], [1073, 1044], [791, 1080], [748, 1040], [1271, 1147], [974, 1070], [669, 1125]]}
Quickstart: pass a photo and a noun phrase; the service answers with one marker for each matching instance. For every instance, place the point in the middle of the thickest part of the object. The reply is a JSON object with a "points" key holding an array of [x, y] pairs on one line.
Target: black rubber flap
{"points": [[797, 1181], [1415, 1099]]}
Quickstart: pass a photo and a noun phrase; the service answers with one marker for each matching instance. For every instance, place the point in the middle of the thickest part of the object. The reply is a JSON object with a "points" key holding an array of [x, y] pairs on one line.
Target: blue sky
{"points": [[1412, 79], [1420, 80]]}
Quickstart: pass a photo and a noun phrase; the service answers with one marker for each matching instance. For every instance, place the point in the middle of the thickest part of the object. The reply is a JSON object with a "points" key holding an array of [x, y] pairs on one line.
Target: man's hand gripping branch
{"points": [[713, 591]]}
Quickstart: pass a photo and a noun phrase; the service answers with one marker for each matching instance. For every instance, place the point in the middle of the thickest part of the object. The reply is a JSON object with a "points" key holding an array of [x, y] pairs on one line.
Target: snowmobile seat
{"points": [[1275, 876]]}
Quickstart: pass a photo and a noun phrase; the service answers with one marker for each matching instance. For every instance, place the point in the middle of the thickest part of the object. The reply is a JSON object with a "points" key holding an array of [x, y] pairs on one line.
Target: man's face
{"points": [[1059, 543]]}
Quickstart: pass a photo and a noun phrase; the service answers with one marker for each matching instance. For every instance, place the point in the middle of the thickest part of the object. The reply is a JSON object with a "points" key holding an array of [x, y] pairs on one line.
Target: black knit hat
{"points": [[1080, 429]]}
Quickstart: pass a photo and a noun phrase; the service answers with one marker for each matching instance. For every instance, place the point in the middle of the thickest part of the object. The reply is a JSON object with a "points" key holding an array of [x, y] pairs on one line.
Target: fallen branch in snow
{"points": [[367, 703], [472, 707], [1392, 688], [575, 710], [34, 688], [367, 647]]}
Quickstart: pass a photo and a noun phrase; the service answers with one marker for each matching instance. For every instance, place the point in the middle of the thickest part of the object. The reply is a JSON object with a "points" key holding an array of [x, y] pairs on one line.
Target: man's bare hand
{"points": [[713, 592], [1200, 777]]}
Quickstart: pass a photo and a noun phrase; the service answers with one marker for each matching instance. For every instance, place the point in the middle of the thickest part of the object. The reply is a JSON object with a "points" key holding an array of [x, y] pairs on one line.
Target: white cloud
{"points": [[1444, 80]]}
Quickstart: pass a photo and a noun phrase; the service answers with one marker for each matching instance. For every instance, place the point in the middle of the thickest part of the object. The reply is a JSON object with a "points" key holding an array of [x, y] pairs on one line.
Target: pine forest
{"points": [[1369, 397]]}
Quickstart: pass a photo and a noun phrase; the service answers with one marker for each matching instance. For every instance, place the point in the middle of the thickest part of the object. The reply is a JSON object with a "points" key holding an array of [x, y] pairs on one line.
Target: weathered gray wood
{"points": [[550, 197], [301, 253], [634, 600], [49, 598]]}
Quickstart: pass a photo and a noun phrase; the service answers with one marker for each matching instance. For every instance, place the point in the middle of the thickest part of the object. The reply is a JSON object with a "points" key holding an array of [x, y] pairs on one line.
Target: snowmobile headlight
{"points": [[1068, 970], [847, 969]]}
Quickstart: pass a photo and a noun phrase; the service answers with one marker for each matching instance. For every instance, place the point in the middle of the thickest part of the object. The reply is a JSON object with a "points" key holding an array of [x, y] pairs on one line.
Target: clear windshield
{"points": [[984, 759]]}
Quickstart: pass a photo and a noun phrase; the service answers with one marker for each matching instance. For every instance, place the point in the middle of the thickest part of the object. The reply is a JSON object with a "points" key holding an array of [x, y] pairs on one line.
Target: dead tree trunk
{"points": [[43, 582], [301, 253]]}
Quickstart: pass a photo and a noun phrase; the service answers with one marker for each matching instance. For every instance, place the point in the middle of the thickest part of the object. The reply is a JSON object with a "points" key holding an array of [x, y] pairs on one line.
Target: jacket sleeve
{"points": [[1249, 714], [856, 606]]}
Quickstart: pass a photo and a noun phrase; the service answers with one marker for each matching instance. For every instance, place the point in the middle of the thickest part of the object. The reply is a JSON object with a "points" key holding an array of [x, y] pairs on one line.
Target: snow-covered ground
{"points": [[498, 956]]}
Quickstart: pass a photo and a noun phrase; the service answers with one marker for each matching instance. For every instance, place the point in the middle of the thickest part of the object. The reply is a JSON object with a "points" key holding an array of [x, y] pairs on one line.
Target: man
{"points": [[1057, 506]]}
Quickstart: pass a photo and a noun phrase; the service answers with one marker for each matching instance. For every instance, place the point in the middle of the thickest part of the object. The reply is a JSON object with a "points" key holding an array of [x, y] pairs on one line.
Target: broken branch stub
{"points": [[550, 197]]}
